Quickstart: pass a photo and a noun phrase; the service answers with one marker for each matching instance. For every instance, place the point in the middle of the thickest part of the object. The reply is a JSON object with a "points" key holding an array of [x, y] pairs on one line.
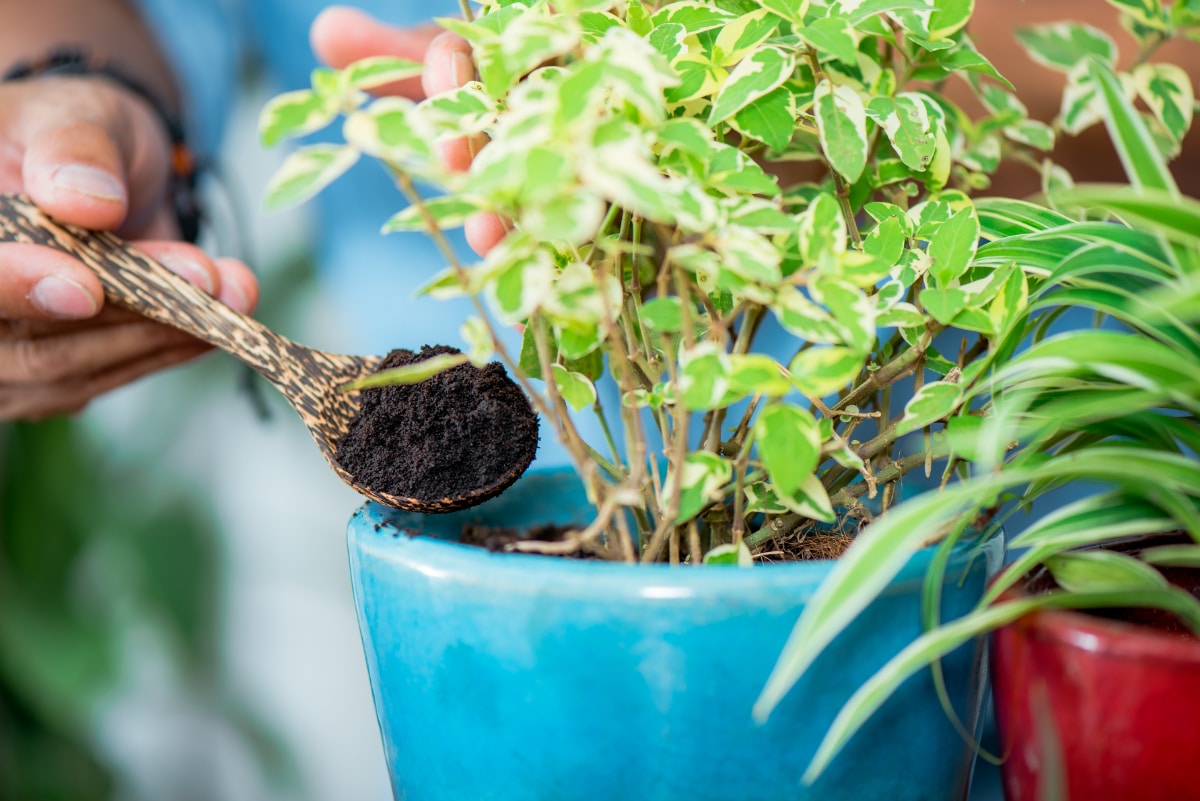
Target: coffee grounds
{"points": [[446, 437]]}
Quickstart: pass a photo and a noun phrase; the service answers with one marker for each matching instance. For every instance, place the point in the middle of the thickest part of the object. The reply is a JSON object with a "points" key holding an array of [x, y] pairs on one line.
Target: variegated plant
{"points": [[635, 147]]}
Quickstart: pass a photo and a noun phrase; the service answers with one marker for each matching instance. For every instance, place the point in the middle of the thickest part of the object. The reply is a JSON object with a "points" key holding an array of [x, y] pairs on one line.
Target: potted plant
{"points": [[772, 367], [1095, 647]]}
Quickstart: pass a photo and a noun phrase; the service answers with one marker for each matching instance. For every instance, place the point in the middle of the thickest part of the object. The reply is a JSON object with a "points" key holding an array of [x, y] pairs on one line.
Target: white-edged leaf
{"points": [[480, 347], [295, 114], [306, 172], [1062, 45], [934, 401], [576, 389], [953, 245], [704, 475], [754, 76], [448, 211], [730, 554], [842, 126], [376, 71], [789, 444]]}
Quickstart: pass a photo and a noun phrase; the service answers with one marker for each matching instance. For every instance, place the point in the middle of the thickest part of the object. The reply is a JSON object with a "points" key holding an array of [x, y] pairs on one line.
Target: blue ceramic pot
{"points": [[528, 678]]}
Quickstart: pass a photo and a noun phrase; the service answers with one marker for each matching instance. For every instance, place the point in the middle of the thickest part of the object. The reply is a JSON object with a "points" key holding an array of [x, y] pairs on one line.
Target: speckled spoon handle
{"points": [[308, 378]]}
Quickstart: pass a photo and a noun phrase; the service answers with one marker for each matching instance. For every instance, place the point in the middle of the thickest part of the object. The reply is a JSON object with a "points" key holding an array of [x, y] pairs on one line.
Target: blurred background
{"points": [[175, 611]]}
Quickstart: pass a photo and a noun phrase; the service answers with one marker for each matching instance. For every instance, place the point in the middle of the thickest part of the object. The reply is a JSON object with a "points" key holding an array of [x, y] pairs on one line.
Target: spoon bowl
{"points": [[312, 381]]}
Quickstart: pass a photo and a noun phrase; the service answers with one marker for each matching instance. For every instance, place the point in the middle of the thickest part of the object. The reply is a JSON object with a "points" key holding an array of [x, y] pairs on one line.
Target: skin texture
{"points": [[91, 153]]}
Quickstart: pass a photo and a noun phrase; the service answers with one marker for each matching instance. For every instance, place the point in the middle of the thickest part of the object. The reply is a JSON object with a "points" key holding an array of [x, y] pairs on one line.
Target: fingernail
{"points": [[233, 297], [188, 270], [63, 298], [89, 181], [464, 68]]}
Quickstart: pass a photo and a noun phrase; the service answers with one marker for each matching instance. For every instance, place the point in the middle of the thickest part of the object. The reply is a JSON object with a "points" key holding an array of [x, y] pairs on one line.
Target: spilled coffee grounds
{"points": [[449, 436]]}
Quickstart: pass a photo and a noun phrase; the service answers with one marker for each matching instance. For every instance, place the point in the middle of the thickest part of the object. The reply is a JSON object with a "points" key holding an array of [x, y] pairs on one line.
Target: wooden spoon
{"points": [[311, 380]]}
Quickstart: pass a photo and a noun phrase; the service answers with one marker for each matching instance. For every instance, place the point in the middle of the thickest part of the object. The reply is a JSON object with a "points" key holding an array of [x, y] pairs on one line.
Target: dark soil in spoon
{"points": [[450, 436]]}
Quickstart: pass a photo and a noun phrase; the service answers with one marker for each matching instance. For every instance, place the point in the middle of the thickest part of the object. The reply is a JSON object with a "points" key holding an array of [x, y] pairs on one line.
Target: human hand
{"points": [[93, 154], [341, 35]]}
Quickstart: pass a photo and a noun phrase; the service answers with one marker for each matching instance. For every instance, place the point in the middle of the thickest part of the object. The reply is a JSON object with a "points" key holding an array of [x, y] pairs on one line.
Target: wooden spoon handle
{"points": [[135, 281]]}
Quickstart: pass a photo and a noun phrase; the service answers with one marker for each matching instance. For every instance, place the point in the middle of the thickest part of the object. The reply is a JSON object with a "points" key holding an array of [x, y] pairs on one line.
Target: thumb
{"points": [[74, 172], [341, 35], [40, 283]]}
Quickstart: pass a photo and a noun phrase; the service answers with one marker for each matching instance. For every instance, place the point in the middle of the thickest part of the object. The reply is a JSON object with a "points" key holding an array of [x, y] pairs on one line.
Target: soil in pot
{"points": [[445, 437]]}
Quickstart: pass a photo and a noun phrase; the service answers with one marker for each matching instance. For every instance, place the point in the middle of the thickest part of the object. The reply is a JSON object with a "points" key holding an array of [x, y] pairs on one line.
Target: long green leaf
{"points": [[1135, 146], [937, 643]]}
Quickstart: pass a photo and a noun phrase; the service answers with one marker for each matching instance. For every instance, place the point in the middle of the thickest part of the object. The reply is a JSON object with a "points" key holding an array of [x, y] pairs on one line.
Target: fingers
{"points": [[230, 281], [239, 287], [341, 35], [484, 231], [448, 64], [75, 173], [40, 283], [23, 402], [79, 353]]}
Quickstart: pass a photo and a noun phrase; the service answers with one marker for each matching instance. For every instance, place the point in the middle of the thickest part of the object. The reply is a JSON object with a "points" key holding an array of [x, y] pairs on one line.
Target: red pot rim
{"points": [[1116, 639]]}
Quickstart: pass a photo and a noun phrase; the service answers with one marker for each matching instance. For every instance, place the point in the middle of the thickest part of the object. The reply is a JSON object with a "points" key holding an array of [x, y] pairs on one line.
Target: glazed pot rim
{"points": [[1115, 639], [378, 533]]}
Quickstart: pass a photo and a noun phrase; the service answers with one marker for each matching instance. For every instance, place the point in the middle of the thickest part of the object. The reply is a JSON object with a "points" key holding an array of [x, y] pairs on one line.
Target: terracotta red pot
{"points": [[1099, 708]]}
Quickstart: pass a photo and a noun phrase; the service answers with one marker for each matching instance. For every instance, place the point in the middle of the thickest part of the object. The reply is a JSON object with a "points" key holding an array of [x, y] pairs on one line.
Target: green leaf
{"points": [[879, 552], [790, 10], [392, 130], [758, 373], [944, 304], [294, 114], [730, 554], [575, 388], [1100, 571], [1062, 45], [1167, 90], [771, 119], [704, 373], [926, 649], [816, 372], [1176, 218], [789, 445], [449, 211], [694, 16], [933, 402], [702, 479], [1146, 13], [1140, 156], [1172, 556], [949, 18], [953, 246], [810, 499], [906, 121], [410, 373], [480, 347], [935, 644], [842, 126], [737, 39], [306, 172], [755, 76], [664, 315], [832, 36], [376, 71]]}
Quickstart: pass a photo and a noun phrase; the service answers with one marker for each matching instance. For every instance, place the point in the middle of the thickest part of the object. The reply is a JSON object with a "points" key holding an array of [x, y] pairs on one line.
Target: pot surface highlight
{"points": [[518, 677]]}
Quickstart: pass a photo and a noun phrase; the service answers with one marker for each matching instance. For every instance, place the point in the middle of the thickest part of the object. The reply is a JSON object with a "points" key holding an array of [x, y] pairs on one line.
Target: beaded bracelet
{"points": [[75, 61]]}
